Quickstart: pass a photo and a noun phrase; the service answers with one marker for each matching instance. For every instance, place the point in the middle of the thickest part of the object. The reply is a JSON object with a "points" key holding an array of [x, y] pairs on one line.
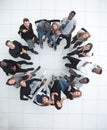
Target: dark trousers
{"points": [[73, 63], [75, 42], [25, 56], [26, 48], [31, 43], [74, 39], [23, 62], [68, 39], [19, 69], [73, 52]]}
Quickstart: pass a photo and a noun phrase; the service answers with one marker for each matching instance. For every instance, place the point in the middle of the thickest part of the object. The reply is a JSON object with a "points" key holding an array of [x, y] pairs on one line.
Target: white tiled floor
{"points": [[87, 113]]}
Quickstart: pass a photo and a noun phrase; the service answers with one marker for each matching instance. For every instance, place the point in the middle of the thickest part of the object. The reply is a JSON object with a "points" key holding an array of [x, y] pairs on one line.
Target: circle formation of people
{"points": [[41, 92]]}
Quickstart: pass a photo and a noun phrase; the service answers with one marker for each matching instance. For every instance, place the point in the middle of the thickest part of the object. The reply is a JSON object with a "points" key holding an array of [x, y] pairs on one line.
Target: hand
{"points": [[19, 65], [85, 63], [69, 88], [24, 30], [23, 51], [63, 98], [33, 39], [53, 36], [29, 76], [14, 68], [58, 33], [80, 48]]}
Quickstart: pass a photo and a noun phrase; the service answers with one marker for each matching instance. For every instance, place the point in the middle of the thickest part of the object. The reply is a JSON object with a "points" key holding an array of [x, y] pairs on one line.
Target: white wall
{"points": [[87, 113]]}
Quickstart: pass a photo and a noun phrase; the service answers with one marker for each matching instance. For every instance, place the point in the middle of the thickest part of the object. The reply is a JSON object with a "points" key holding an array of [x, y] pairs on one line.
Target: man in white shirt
{"points": [[68, 25], [83, 66]]}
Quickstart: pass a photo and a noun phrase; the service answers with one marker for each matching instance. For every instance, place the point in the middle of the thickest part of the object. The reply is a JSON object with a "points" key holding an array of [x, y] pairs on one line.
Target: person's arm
{"points": [[68, 95], [12, 62], [52, 96], [80, 48], [5, 70], [13, 53], [37, 103], [18, 75], [69, 88], [17, 43], [63, 99], [73, 29], [82, 54], [40, 20], [27, 76], [22, 29], [9, 70], [40, 89], [72, 72], [86, 63], [31, 30], [48, 91], [32, 80], [64, 24], [21, 51]]}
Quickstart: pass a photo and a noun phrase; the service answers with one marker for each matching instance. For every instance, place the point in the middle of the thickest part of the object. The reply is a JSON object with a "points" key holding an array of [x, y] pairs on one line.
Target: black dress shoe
{"points": [[30, 63], [66, 47], [55, 47], [64, 57], [68, 54], [37, 43], [38, 68], [35, 52], [30, 69]]}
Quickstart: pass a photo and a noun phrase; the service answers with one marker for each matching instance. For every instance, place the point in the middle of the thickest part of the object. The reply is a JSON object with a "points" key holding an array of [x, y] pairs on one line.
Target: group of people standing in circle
{"points": [[40, 90]]}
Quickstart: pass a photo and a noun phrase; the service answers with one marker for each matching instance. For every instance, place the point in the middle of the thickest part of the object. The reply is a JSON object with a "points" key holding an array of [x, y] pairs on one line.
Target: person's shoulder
{"points": [[4, 60], [15, 42], [30, 24], [74, 20], [22, 25], [65, 18], [82, 76]]}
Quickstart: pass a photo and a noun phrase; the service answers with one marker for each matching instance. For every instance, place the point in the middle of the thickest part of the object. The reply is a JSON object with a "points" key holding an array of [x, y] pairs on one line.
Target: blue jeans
{"points": [[54, 38], [64, 84], [43, 32]]}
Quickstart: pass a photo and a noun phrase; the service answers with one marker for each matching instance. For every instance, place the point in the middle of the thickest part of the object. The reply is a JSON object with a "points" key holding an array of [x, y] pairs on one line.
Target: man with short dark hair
{"points": [[26, 32], [83, 66], [68, 25], [16, 49], [13, 67]]}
